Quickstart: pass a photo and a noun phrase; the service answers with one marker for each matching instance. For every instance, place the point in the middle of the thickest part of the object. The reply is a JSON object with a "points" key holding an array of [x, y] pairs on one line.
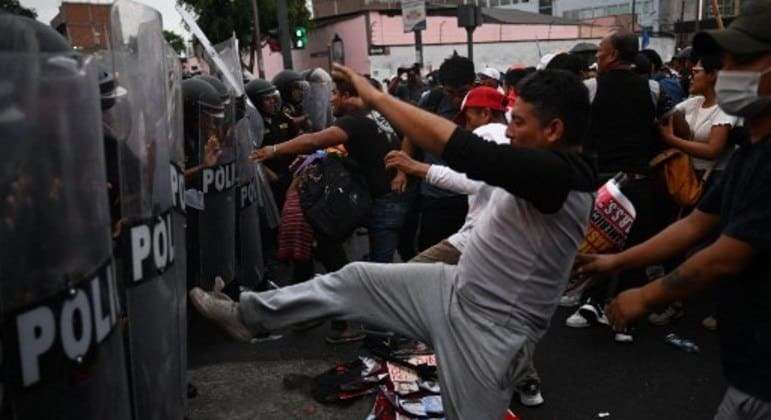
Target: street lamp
{"points": [[337, 50]]}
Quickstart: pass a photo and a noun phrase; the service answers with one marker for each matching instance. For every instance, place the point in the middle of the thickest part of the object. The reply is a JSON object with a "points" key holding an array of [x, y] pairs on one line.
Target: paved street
{"points": [[584, 372]]}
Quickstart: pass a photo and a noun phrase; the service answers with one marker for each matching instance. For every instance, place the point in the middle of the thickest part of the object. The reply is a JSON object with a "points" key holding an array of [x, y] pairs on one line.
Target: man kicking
{"points": [[478, 314]]}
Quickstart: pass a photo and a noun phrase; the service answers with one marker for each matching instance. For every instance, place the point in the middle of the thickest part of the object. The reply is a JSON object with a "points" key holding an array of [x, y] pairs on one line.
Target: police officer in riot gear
{"points": [[278, 129], [293, 89]]}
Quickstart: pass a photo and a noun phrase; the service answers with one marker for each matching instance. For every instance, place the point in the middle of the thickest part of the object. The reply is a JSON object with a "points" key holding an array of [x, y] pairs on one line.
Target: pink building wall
{"points": [[389, 30], [351, 31]]}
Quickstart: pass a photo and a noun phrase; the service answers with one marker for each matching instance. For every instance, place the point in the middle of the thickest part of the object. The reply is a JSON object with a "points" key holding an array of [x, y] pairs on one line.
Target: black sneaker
{"points": [[593, 312], [530, 393]]}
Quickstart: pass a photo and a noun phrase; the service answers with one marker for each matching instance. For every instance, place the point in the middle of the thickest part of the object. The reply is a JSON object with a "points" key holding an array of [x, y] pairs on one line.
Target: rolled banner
{"points": [[611, 220]]}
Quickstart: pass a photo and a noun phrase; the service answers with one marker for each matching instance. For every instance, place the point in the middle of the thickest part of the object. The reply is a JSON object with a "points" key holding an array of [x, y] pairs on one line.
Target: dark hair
{"points": [[642, 65], [344, 86], [656, 62], [513, 76], [568, 62], [558, 94], [711, 62], [626, 44], [457, 71]]}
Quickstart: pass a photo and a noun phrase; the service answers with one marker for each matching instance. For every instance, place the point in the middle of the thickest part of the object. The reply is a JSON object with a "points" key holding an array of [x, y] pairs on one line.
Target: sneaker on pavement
{"points": [[710, 323], [530, 394], [593, 313], [348, 335], [570, 300], [624, 337], [222, 312], [671, 314], [577, 320]]}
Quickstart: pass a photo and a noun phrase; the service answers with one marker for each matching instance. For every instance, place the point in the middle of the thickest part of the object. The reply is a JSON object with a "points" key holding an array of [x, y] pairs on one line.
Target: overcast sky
{"points": [[47, 9]]}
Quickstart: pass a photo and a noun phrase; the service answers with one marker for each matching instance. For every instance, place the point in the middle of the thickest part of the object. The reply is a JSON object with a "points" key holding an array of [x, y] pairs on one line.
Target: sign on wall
{"points": [[414, 15]]}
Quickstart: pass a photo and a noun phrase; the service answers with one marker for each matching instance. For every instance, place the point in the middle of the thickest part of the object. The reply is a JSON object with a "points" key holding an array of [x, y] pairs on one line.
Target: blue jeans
{"points": [[386, 220]]}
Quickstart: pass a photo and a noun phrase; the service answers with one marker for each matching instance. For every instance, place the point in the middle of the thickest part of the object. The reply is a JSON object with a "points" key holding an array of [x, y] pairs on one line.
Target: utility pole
{"points": [[470, 43], [283, 33], [634, 15], [419, 47], [256, 42], [699, 10]]}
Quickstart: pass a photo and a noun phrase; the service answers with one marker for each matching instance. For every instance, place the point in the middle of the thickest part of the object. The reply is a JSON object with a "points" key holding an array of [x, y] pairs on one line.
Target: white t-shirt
{"points": [[444, 177], [701, 120]]}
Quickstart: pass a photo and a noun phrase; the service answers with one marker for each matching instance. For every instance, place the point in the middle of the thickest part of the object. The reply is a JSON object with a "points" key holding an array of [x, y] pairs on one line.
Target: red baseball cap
{"points": [[481, 97]]}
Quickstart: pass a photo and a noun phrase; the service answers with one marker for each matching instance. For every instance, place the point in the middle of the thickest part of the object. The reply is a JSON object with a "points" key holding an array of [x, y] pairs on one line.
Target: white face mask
{"points": [[737, 93]]}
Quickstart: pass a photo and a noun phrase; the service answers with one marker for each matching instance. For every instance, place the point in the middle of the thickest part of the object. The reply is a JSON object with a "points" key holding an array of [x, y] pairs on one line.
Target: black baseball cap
{"points": [[748, 34]]}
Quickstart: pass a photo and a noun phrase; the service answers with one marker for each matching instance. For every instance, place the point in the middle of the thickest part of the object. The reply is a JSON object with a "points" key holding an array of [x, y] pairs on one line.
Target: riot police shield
{"points": [[62, 348], [147, 245], [210, 198], [251, 266], [174, 112], [316, 102]]}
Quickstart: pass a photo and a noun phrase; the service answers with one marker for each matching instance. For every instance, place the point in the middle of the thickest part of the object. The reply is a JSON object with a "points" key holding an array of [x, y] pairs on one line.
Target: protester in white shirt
{"points": [[709, 125]]}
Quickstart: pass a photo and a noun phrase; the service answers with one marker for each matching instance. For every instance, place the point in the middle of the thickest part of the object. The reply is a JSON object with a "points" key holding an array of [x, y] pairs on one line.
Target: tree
{"points": [[13, 6], [219, 19], [176, 41]]}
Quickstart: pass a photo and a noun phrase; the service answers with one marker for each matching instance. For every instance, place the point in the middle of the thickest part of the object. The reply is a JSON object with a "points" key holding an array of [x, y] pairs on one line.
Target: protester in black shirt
{"points": [[367, 137], [622, 134], [738, 263], [442, 212]]}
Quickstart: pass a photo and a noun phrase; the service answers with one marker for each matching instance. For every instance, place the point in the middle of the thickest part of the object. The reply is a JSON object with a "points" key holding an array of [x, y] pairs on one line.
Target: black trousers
{"points": [[440, 218]]}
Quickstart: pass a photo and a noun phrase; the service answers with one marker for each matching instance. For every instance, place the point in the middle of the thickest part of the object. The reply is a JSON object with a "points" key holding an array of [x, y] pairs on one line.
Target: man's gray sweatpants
{"points": [[475, 352]]}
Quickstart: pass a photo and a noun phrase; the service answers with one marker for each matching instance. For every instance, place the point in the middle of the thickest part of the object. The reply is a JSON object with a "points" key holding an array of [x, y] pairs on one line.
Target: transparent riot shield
{"points": [[62, 348], [147, 245], [229, 53], [316, 102], [174, 112], [250, 259], [217, 183]]}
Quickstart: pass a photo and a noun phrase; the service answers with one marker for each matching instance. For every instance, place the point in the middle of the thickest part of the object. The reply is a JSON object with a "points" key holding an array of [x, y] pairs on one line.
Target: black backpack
{"points": [[334, 197]]}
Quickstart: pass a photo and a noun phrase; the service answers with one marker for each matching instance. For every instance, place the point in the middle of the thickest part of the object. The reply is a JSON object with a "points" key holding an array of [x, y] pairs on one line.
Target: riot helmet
{"points": [[264, 96], [291, 85]]}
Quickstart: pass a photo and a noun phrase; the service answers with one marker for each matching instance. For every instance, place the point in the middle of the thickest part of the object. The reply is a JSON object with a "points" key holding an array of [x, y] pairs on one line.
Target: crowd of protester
{"points": [[478, 189], [481, 183]]}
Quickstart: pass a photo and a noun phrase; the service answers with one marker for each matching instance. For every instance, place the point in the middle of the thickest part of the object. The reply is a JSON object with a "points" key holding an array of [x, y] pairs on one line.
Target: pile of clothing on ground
{"points": [[401, 373]]}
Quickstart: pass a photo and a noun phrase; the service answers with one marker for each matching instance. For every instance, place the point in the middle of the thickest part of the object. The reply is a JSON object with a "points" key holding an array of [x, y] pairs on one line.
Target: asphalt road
{"points": [[584, 374]]}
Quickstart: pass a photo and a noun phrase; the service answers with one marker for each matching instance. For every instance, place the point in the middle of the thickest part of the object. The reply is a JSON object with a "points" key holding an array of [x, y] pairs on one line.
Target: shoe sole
{"points": [[534, 402]]}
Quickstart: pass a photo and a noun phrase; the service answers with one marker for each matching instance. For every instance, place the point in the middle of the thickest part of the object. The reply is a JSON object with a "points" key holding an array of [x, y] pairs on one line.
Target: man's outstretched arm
{"points": [[724, 260]]}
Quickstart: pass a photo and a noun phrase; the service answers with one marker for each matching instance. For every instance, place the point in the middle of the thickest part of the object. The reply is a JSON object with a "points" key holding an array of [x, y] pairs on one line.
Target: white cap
{"points": [[491, 73], [545, 61]]}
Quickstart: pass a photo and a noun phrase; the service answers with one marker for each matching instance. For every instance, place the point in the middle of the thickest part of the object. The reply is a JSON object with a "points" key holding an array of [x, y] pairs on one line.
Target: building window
{"points": [[726, 8], [545, 7]]}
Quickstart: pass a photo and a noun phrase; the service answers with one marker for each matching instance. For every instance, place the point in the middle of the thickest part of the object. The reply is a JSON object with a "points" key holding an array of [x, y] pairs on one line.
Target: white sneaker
{"points": [[569, 300], [593, 313], [224, 313], [576, 321], [624, 337], [530, 394], [219, 284]]}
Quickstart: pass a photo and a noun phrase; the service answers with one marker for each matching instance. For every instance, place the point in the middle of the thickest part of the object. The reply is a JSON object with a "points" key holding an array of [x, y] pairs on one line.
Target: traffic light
{"points": [[300, 38]]}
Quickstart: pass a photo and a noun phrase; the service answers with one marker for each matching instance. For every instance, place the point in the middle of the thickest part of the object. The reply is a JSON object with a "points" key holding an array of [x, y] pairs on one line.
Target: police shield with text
{"points": [[211, 180], [249, 260], [146, 242], [62, 348]]}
